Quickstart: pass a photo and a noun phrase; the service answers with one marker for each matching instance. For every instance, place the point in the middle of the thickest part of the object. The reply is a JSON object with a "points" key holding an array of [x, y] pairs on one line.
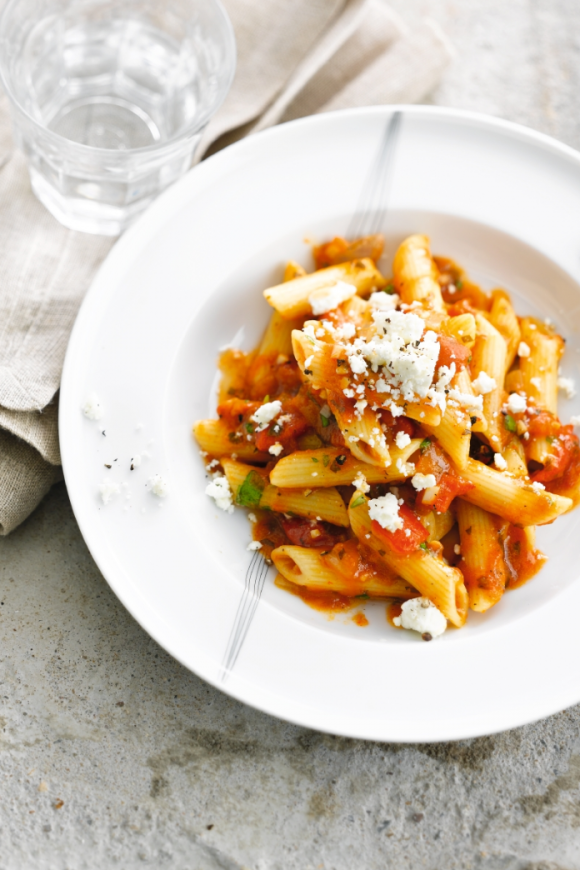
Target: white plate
{"points": [[187, 279]]}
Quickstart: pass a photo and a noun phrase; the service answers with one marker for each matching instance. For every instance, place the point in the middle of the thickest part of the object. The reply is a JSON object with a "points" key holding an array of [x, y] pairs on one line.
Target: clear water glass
{"points": [[109, 98]]}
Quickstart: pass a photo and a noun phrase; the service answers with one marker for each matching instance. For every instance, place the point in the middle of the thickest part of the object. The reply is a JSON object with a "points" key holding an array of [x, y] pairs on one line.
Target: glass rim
{"points": [[231, 55]]}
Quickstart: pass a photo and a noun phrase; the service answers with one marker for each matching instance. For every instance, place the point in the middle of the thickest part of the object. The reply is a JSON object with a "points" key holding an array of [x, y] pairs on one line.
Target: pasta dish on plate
{"points": [[394, 438]]}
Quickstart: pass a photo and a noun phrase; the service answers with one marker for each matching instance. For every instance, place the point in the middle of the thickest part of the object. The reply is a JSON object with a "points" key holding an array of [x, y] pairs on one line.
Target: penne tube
{"points": [[461, 327], [540, 369], [363, 435], [213, 436], [425, 414], [415, 273], [325, 504], [503, 317], [425, 571], [278, 335], [306, 566], [291, 298], [293, 270], [482, 556], [511, 498], [462, 382], [454, 434], [489, 356], [438, 525], [337, 467]]}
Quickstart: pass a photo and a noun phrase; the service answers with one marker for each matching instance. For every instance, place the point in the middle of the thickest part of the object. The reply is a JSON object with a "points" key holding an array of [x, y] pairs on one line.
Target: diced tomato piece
{"points": [[303, 532], [452, 351], [543, 424], [565, 448], [406, 540], [236, 411], [281, 433], [450, 486], [405, 425]]}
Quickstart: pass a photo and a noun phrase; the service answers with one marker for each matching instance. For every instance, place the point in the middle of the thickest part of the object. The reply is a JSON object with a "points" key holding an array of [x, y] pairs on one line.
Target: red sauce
{"points": [[360, 619], [522, 561], [394, 610], [327, 602]]}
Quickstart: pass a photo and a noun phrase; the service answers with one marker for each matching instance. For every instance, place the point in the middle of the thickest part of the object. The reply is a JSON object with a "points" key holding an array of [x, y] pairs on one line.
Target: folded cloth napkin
{"points": [[294, 59]]}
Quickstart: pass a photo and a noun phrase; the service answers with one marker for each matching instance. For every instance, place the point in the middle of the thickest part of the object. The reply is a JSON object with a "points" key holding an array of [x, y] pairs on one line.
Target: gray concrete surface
{"points": [[112, 755]]}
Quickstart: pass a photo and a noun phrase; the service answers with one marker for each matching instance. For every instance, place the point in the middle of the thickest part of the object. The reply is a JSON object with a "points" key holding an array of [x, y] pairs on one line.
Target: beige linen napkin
{"points": [[294, 59]]}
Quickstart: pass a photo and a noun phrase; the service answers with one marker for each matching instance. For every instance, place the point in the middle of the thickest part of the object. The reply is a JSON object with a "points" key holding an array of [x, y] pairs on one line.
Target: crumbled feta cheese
{"points": [[328, 298], [219, 490], [516, 403], [567, 387], [158, 486], [402, 440], [423, 481], [254, 545], [404, 468], [360, 482], [92, 408], [325, 412], [467, 400], [537, 486], [108, 489], [347, 330], [276, 449], [483, 384], [536, 382], [308, 361], [357, 364], [384, 301], [360, 405], [385, 510], [523, 349], [499, 462], [348, 393], [420, 614], [457, 549], [252, 518], [266, 413]]}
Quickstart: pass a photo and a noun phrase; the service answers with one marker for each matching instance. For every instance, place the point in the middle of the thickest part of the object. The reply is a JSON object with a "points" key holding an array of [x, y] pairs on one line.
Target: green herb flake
{"points": [[424, 445], [550, 439], [509, 423], [250, 428], [459, 284], [325, 421], [250, 492], [234, 437], [364, 595], [390, 289], [360, 499], [314, 459], [325, 460], [423, 545]]}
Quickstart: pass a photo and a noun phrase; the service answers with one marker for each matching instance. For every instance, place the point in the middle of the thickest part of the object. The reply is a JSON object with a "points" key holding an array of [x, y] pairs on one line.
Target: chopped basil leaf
{"points": [[325, 460], [424, 445], [423, 545], [362, 595], [314, 459], [250, 428], [250, 492], [509, 423], [390, 289], [325, 421], [550, 439], [235, 437], [459, 284], [358, 501]]}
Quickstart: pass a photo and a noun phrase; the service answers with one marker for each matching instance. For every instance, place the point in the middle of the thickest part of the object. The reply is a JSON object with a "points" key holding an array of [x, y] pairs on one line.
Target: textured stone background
{"points": [[111, 754]]}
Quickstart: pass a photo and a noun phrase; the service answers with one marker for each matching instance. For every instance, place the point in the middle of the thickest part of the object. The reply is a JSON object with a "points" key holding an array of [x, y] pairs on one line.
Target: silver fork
{"points": [[253, 588], [371, 210]]}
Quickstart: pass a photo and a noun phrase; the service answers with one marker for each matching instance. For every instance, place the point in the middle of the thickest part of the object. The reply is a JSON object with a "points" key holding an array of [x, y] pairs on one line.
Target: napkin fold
{"points": [[294, 59]]}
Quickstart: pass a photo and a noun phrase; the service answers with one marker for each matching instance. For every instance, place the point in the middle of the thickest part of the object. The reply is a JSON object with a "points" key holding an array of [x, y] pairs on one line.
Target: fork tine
{"points": [[253, 588], [371, 209]]}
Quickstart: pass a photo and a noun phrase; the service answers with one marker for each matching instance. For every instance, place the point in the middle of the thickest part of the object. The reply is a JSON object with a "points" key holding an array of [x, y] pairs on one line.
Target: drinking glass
{"points": [[109, 98]]}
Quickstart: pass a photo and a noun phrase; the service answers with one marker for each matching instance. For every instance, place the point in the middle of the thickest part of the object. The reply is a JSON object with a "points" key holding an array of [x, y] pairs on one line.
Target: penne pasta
{"points": [[489, 357], [540, 369], [278, 336], [424, 570], [482, 556], [415, 273], [338, 467], [214, 436], [503, 317], [292, 298]]}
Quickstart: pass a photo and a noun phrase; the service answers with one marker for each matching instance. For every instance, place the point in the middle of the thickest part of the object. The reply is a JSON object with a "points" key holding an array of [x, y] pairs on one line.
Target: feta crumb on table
{"points": [[108, 489], [158, 486], [92, 408], [567, 387], [219, 490], [420, 614]]}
